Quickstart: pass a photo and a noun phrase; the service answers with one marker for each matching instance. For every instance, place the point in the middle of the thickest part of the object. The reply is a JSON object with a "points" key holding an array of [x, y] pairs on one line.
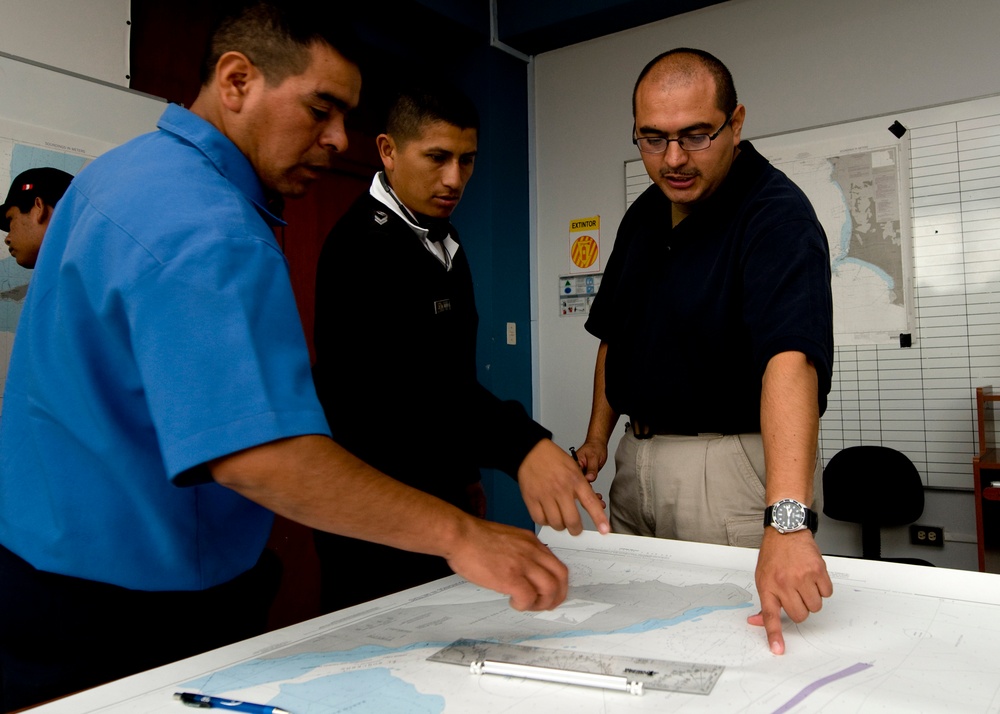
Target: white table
{"points": [[892, 638]]}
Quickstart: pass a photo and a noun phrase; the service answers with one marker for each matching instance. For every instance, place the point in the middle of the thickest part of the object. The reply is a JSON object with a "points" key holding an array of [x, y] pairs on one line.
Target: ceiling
{"points": [[528, 26], [536, 26], [417, 37]]}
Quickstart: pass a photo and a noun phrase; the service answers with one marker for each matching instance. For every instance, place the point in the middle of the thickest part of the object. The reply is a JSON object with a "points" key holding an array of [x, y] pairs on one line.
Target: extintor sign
{"points": [[585, 245]]}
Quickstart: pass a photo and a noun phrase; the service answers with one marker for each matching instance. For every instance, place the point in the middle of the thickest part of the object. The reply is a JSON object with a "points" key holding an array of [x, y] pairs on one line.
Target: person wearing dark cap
{"points": [[25, 215]]}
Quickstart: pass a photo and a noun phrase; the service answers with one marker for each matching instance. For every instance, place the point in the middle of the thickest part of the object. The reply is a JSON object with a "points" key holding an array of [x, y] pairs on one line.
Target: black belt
{"points": [[642, 430]]}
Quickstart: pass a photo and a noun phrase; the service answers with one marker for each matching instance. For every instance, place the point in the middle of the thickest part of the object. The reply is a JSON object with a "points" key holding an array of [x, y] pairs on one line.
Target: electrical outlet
{"points": [[927, 535], [511, 333]]}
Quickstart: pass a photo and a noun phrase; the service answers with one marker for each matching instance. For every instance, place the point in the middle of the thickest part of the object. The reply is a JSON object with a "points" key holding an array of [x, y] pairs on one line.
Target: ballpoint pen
{"points": [[204, 701]]}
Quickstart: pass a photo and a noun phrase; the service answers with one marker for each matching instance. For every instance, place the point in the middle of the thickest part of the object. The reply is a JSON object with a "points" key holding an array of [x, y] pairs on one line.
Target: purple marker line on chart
{"points": [[806, 691]]}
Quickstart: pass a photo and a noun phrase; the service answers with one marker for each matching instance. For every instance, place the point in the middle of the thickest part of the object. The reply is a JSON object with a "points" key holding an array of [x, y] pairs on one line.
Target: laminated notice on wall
{"points": [[585, 245], [577, 292]]}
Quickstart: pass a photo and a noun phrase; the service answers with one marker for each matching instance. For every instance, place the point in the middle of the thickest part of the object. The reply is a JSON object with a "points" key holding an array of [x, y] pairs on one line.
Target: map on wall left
{"points": [[24, 147]]}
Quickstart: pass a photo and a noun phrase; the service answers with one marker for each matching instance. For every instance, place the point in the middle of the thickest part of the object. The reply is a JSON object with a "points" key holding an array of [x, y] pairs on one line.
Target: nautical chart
{"points": [[892, 638]]}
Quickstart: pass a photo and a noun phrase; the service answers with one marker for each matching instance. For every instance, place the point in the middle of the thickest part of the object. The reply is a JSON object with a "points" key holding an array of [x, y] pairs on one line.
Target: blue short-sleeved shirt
{"points": [[159, 332]]}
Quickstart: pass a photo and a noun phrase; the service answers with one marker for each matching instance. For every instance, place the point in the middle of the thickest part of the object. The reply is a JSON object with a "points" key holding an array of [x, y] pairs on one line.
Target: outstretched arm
{"points": [[791, 574], [312, 480], [551, 483]]}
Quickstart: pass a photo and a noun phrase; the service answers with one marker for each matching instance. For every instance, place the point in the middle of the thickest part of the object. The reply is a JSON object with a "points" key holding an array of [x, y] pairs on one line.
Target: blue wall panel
{"points": [[493, 222]]}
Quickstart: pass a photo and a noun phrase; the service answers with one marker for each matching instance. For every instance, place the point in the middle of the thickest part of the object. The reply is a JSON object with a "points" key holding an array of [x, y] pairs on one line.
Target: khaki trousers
{"points": [[707, 488]]}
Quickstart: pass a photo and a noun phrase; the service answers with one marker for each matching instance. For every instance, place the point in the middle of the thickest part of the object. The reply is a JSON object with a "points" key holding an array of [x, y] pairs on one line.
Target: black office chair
{"points": [[875, 486]]}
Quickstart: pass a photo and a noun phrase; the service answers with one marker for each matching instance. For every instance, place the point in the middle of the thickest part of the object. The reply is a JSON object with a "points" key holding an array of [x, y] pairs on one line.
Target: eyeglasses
{"points": [[688, 142]]}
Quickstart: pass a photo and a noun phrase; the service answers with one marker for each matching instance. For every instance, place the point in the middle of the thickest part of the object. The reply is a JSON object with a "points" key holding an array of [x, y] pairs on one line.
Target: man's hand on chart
{"points": [[551, 484], [511, 561], [791, 576]]}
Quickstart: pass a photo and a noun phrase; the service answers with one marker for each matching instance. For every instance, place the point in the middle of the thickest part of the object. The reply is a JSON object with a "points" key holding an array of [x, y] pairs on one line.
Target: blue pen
{"points": [[206, 702]]}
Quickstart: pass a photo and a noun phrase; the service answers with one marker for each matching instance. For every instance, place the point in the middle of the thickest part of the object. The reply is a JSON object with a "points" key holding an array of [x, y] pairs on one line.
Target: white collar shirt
{"points": [[443, 250]]}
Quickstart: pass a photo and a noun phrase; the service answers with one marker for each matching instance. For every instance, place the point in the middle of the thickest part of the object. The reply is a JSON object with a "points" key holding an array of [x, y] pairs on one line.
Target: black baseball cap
{"points": [[45, 182]]}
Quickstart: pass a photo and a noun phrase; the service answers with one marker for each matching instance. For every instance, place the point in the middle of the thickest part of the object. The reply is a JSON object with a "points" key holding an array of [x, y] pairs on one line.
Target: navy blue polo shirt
{"points": [[692, 314]]}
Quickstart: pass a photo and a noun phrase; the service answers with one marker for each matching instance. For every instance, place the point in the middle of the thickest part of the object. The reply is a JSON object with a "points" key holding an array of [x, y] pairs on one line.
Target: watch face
{"points": [[788, 515]]}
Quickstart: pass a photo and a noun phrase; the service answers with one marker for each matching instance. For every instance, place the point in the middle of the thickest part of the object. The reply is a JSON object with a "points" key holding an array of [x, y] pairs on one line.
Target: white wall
{"points": [[88, 37], [49, 115], [797, 64]]}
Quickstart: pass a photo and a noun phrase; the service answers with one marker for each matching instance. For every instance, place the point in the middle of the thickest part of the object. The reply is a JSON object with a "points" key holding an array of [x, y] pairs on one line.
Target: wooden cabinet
{"points": [[986, 469]]}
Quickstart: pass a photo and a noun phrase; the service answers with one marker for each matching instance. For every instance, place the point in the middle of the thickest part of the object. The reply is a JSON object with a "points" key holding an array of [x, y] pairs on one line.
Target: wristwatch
{"points": [[788, 516]]}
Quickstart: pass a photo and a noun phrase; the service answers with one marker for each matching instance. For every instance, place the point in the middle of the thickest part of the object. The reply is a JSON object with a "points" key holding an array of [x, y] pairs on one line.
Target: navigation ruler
{"points": [[629, 674]]}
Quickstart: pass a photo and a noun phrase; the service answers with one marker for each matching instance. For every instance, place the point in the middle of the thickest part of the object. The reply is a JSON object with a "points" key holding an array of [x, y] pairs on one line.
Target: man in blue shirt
{"points": [[159, 405]]}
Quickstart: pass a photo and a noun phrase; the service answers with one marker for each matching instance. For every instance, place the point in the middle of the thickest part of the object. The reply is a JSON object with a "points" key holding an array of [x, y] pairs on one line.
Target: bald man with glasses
{"points": [[715, 319]]}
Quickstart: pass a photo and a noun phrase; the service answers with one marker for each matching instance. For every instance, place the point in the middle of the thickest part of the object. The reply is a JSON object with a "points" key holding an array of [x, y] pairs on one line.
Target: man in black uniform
{"points": [[395, 341]]}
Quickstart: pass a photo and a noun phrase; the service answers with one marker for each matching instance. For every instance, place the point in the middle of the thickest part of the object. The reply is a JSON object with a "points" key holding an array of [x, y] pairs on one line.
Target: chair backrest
{"points": [[875, 486], [872, 484]]}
